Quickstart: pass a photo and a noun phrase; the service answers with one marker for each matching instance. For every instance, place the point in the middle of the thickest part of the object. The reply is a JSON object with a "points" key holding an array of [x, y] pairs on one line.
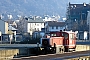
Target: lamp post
{"points": [[10, 33]]}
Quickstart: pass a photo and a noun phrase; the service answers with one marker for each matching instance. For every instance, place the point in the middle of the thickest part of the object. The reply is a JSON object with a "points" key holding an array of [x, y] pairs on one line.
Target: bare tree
{"points": [[22, 25]]}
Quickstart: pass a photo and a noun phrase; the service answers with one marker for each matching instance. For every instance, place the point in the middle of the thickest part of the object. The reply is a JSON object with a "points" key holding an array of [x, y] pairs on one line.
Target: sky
{"points": [[79, 1], [23, 6]]}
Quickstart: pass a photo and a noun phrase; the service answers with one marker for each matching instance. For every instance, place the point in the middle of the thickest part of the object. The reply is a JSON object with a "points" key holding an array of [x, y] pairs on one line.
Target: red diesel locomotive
{"points": [[67, 39]]}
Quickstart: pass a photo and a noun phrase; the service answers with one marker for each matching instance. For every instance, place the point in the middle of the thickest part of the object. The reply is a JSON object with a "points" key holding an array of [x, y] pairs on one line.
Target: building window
{"points": [[56, 27], [61, 27], [52, 27], [53, 34], [35, 29], [37, 24]]}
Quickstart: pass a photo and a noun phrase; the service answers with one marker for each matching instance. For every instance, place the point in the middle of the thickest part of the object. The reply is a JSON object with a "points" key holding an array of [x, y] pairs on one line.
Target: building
{"points": [[54, 26], [3, 27], [34, 24], [51, 18], [77, 16]]}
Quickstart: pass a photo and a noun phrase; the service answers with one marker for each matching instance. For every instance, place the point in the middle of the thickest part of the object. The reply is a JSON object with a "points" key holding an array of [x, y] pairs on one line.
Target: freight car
{"points": [[50, 43]]}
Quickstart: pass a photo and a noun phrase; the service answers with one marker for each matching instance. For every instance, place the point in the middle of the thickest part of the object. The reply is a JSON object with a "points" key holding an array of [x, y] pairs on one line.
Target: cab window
{"points": [[65, 35], [53, 34], [71, 36]]}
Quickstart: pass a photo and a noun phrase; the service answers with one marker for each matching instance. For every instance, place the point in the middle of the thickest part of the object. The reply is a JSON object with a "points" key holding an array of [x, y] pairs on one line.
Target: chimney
{"points": [[84, 4], [34, 18]]}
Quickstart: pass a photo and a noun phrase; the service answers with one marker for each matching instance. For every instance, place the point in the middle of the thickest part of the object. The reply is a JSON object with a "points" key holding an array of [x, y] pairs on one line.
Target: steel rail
{"points": [[55, 56]]}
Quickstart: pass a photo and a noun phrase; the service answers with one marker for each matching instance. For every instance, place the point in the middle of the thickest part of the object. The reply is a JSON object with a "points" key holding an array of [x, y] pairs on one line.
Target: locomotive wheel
{"points": [[54, 50], [66, 50], [43, 52]]}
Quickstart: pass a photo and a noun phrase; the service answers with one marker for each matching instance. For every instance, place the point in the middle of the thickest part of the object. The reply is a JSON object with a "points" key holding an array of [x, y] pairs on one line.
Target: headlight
{"points": [[41, 48], [50, 48], [45, 42]]}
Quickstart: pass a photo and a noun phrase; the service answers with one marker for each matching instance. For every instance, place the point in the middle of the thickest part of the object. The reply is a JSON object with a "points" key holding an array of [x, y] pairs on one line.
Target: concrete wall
{"points": [[82, 47], [7, 54], [23, 51]]}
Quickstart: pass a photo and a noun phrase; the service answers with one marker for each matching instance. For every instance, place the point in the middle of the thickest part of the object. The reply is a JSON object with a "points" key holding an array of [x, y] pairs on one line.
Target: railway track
{"points": [[56, 56]]}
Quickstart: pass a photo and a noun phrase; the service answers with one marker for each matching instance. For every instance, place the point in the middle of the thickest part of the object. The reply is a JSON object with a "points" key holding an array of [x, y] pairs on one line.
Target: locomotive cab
{"points": [[70, 42]]}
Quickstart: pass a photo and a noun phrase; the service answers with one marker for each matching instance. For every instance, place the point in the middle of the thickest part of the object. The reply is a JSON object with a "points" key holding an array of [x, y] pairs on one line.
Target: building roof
{"points": [[10, 21], [35, 20], [2, 20], [79, 7], [12, 28], [54, 23]]}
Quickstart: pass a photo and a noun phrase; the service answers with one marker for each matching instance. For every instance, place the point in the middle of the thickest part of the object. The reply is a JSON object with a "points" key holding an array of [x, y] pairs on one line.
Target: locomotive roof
{"points": [[69, 31]]}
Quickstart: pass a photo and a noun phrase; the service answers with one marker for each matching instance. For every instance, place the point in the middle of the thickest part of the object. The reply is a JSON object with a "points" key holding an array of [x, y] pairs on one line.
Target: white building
{"points": [[34, 24], [3, 27], [52, 18]]}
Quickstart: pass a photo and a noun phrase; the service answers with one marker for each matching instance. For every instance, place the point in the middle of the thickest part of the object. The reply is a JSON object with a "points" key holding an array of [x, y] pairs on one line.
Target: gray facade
{"points": [[54, 26], [77, 16], [3, 27]]}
